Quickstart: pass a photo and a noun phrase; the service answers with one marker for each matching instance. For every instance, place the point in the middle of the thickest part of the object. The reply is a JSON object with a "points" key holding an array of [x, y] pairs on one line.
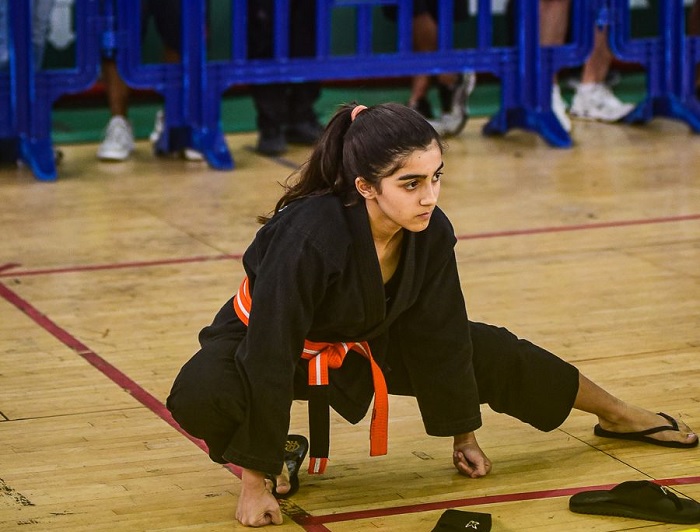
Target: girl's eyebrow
{"points": [[408, 177]]}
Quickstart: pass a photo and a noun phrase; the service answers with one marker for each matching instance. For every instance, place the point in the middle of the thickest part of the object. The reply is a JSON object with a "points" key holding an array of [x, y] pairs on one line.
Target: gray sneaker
{"points": [[271, 142], [455, 106]]}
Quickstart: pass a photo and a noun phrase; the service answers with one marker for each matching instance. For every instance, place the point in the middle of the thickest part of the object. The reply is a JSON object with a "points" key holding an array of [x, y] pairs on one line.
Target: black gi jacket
{"points": [[315, 275]]}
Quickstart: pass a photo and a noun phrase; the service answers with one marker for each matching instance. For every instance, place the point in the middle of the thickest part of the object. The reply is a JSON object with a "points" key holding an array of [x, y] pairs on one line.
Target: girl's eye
{"points": [[437, 176], [411, 185]]}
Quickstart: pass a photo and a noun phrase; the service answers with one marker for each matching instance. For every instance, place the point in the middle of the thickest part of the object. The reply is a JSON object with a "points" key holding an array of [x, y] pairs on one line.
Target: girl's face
{"points": [[407, 197]]}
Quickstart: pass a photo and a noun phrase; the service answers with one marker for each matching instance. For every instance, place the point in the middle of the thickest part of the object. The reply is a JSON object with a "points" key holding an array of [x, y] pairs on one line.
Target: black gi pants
{"points": [[513, 376]]}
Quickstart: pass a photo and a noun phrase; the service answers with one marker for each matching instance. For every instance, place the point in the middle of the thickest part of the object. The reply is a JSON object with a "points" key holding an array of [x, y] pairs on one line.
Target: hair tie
{"points": [[356, 111]]}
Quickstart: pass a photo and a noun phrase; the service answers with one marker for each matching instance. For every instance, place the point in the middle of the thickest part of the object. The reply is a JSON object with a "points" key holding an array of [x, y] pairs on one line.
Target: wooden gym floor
{"points": [[107, 275]]}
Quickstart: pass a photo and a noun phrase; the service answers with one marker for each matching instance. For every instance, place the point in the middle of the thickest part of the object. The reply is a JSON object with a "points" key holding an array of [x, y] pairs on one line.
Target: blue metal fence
{"points": [[192, 89]]}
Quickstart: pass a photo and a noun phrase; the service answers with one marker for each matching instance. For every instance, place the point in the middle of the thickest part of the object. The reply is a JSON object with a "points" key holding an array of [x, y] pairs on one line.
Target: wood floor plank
{"points": [[108, 275]]}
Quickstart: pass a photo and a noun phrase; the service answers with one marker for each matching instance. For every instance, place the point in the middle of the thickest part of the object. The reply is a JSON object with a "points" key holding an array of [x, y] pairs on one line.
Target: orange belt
{"points": [[322, 356]]}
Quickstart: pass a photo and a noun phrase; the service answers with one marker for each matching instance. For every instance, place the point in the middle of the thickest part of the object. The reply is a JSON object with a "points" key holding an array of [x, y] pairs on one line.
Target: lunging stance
{"points": [[352, 291]]}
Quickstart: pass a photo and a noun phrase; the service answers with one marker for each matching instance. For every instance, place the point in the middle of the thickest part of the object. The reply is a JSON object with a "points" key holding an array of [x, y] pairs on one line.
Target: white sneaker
{"points": [[118, 142], [455, 105], [595, 101], [559, 108], [158, 126]]}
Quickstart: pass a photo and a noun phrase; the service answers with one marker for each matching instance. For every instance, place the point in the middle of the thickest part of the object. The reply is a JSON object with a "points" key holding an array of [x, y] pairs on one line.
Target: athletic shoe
{"points": [[118, 142], [158, 127], [559, 108], [595, 101], [304, 133], [455, 105], [271, 142]]}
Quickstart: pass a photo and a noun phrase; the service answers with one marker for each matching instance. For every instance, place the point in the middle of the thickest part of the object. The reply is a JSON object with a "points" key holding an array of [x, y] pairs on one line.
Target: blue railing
{"points": [[193, 88]]}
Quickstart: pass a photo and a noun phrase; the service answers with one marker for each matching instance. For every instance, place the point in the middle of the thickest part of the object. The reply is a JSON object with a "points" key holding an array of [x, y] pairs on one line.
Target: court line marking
{"points": [[580, 227], [300, 516], [483, 500], [296, 513], [12, 269], [127, 384]]}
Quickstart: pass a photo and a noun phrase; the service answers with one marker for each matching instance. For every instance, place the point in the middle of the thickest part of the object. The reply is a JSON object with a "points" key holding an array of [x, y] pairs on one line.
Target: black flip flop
{"points": [[638, 499], [643, 435], [295, 450]]}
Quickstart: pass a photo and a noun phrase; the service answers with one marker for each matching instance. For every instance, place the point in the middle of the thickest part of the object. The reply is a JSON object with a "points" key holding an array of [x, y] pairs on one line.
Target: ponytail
{"points": [[358, 141]]}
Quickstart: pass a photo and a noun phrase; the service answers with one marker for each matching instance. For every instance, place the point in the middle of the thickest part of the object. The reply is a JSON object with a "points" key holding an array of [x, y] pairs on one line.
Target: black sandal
{"points": [[295, 450]]}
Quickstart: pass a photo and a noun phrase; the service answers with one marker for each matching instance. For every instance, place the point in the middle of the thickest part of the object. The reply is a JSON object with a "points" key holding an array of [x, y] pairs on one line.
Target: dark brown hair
{"points": [[372, 146]]}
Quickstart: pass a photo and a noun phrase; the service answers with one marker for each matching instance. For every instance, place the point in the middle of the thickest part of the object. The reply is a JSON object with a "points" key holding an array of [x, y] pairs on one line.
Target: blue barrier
{"points": [[192, 89], [526, 76], [27, 93], [669, 60]]}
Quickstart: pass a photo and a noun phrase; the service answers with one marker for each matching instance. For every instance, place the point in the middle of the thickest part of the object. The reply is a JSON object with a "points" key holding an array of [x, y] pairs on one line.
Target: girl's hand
{"points": [[256, 504], [468, 457]]}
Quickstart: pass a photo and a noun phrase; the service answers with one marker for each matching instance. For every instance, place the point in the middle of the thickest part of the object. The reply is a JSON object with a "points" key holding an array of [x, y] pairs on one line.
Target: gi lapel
{"points": [[371, 285], [370, 273]]}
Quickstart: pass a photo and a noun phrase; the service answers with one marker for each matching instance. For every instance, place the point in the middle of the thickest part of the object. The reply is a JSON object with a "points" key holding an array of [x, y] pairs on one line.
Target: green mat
{"points": [[77, 125]]}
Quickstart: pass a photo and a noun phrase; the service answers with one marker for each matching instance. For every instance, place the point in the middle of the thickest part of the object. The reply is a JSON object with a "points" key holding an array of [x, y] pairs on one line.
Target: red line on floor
{"points": [[475, 501], [115, 266], [8, 266], [309, 522], [9, 270], [129, 385], [93, 358], [579, 227]]}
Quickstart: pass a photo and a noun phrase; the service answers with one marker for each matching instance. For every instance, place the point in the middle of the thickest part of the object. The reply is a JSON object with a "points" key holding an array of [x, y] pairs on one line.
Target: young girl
{"points": [[358, 251]]}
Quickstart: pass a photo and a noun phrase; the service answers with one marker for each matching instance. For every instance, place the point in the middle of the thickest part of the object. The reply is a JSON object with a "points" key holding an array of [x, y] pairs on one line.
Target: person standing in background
{"points": [[285, 111]]}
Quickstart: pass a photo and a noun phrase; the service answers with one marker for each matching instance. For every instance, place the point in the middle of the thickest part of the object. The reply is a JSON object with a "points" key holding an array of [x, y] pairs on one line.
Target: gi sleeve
{"points": [[437, 352], [289, 276]]}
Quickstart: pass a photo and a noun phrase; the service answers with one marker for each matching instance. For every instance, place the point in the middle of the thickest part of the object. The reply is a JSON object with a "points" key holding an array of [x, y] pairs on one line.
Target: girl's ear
{"points": [[365, 188]]}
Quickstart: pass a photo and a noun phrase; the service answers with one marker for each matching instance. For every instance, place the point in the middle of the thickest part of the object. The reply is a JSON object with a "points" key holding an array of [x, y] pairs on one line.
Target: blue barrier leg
{"points": [[526, 99], [212, 144], [192, 98], [38, 155], [670, 66], [544, 123], [669, 106], [32, 114]]}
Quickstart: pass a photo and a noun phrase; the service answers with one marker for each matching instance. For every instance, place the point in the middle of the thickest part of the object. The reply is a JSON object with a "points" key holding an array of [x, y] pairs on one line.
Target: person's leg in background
{"points": [[302, 125], [454, 88], [593, 99], [118, 142], [554, 24], [270, 100], [167, 16], [424, 40]]}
